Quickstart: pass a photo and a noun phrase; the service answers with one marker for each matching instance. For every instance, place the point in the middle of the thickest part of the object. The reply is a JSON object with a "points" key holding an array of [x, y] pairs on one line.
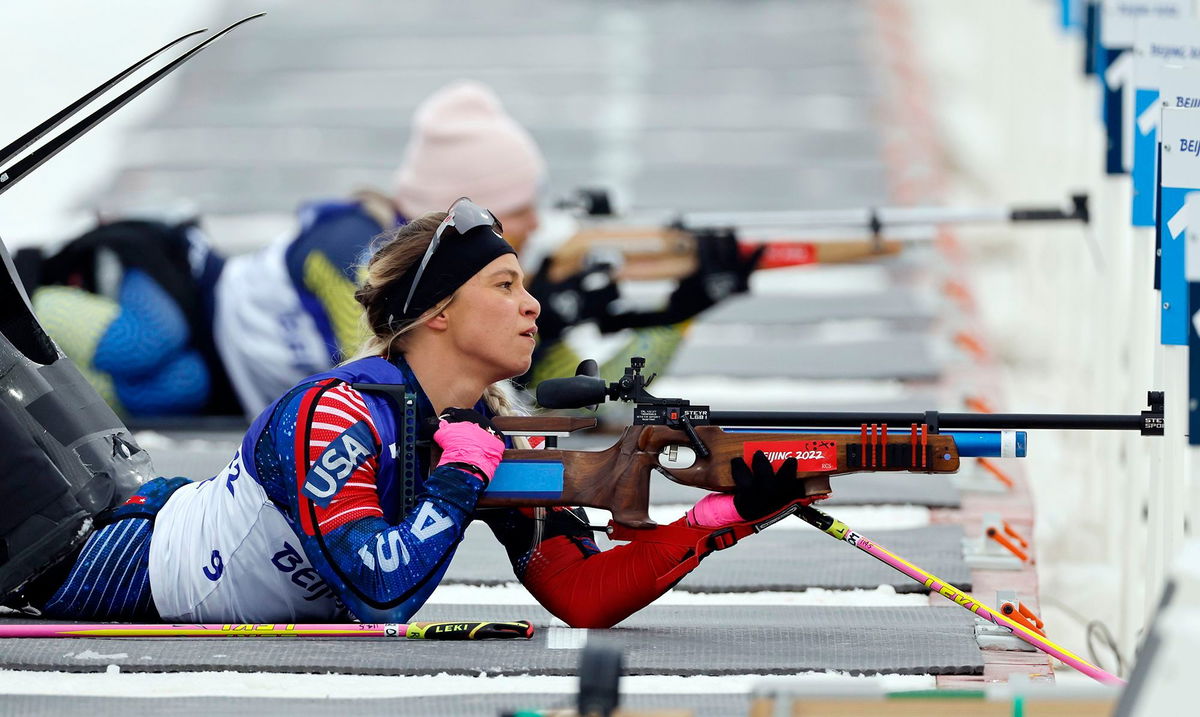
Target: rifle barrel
{"points": [[970, 421], [864, 218], [884, 218]]}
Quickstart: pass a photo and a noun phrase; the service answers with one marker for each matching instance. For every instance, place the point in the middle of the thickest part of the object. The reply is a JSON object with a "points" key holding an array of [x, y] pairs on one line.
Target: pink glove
{"points": [[715, 510], [470, 440]]}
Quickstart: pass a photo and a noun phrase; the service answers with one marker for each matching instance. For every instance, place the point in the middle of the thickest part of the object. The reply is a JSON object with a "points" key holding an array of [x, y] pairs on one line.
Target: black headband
{"points": [[453, 262]]}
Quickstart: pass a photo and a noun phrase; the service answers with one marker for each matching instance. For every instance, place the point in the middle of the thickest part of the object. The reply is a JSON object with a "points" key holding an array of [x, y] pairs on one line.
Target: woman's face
{"points": [[492, 319]]}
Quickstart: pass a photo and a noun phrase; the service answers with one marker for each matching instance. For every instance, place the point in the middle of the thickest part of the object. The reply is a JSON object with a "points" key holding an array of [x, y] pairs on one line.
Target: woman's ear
{"points": [[439, 321]]}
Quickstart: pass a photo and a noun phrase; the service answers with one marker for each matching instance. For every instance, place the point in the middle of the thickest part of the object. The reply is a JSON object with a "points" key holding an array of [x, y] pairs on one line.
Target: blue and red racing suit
{"points": [[311, 519]]}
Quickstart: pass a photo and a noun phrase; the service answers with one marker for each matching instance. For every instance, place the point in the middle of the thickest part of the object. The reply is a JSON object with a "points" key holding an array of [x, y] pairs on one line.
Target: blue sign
{"points": [[1192, 272], [1158, 45], [1113, 64], [1071, 14], [1112, 67], [1145, 155], [1091, 36], [1179, 176]]}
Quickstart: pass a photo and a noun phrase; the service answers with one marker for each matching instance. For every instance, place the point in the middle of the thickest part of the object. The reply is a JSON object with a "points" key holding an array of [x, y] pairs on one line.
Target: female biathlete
{"points": [[338, 504]]}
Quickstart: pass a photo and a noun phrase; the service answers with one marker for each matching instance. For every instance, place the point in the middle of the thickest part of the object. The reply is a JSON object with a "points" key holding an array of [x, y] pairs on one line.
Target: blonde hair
{"points": [[392, 254]]}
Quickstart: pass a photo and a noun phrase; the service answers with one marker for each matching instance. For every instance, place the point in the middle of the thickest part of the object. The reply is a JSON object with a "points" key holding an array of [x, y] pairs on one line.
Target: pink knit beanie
{"points": [[464, 144]]}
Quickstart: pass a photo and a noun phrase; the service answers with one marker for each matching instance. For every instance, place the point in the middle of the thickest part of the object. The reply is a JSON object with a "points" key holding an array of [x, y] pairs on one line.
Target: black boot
{"points": [[64, 454]]}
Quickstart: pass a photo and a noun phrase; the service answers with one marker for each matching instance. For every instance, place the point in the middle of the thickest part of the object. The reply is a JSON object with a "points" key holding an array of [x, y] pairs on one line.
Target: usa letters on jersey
{"points": [[337, 462]]}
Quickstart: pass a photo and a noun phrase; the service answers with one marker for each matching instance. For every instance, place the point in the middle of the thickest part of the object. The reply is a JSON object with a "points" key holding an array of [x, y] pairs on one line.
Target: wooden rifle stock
{"points": [[649, 253], [617, 478]]}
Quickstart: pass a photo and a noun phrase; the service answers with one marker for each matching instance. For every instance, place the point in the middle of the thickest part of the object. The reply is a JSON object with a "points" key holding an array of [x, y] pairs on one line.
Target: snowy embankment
{"points": [[280, 686]]}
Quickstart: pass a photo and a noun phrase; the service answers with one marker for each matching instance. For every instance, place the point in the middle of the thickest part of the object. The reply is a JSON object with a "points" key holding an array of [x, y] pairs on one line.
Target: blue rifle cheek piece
{"points": [[971, 444], [526, 479]]}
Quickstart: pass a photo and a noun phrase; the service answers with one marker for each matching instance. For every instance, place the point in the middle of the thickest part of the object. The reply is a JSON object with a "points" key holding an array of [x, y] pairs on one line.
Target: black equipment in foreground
{"points": [[64, 455]]}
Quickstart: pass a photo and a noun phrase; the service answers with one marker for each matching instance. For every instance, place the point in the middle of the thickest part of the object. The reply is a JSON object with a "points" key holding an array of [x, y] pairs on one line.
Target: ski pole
{"points": [[24, 141], [33, 160], [466, 630], [841, 531]]}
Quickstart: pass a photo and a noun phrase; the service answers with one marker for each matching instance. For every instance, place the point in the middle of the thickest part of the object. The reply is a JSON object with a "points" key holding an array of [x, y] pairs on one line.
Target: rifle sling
{"points": [[702, 541]]}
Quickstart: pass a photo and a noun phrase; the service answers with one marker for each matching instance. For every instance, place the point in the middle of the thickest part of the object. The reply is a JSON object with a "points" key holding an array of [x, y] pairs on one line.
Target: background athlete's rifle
{"points": [[693, 445], [792, 238]]}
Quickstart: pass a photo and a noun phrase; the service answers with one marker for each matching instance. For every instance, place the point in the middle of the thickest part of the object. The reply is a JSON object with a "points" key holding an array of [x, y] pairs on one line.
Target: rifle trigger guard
{"points": [[701, 449]]}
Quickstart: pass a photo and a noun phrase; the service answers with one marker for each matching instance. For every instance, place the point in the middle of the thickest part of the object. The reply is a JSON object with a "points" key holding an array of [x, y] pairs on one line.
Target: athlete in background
{"points": [[289, 310], [338, 504], [159, 324], [131, 303]]}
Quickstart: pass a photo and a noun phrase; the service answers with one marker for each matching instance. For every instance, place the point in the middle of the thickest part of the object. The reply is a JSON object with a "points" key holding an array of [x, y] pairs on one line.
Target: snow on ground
{"points": [[514, 594], [113, 683]]}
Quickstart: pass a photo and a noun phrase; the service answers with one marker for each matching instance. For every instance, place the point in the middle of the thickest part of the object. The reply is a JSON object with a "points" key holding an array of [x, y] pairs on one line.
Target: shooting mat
{"points": [[681, 640], [776, 560], [474, 705], [894, 304]]}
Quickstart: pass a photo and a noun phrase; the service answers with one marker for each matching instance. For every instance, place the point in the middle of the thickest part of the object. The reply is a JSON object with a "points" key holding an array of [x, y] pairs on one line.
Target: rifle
{"points": [[669, 252], [791, 238], [693, 444]]}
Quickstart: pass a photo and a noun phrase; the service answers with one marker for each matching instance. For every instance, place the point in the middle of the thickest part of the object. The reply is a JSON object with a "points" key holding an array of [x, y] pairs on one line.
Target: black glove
{"points": [[761, 490], [470, 415], [582, 297], [721, 272]]}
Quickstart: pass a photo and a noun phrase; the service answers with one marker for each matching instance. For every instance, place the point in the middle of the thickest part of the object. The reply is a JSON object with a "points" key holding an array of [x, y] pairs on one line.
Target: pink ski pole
{"points": [[842, 532], [521, 629]]}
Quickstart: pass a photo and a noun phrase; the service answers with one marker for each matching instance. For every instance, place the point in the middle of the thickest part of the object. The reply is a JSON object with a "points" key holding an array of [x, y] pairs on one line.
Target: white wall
{"points": [[1076, 331], [54, 52]]}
